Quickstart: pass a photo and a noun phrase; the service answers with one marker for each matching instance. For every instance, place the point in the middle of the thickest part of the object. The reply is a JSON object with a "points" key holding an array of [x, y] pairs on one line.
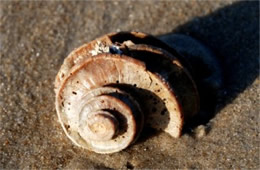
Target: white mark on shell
{"points": [[78, 59], [99, 48]]}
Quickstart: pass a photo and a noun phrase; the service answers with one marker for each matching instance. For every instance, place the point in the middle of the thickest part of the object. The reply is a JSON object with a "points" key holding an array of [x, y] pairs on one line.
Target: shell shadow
{"points": [[141, 96], [232, 33]]}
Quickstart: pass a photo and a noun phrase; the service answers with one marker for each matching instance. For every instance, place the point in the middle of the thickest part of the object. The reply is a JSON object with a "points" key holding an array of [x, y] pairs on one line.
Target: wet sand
{"points": [[35, 37]]}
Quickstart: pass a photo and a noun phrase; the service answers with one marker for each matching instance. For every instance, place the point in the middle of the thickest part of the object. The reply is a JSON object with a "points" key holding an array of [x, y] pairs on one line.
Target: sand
{"points": [[35, 37]]}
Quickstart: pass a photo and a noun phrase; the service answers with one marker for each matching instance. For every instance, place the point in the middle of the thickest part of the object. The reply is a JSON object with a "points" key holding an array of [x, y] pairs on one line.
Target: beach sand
{"points": [[35, 37]]}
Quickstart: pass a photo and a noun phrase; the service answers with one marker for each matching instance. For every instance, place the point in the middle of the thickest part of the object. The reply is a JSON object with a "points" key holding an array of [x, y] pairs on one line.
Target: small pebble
{"points": [[200, 131]]}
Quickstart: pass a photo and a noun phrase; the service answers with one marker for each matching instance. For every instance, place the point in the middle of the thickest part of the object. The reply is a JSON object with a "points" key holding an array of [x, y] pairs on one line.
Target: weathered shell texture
{"points": [[108, 89]]}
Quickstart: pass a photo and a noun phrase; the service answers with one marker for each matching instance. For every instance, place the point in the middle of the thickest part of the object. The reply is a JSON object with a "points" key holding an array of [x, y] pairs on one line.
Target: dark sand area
{"points": [[35, 37]]}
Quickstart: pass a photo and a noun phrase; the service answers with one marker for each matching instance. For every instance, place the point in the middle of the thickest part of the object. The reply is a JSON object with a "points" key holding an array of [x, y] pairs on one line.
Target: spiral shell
{"points": [[108, 89]]}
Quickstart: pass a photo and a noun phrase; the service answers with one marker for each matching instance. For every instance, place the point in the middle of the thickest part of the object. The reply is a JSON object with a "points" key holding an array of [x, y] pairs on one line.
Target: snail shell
{"points": [[108, 89]]}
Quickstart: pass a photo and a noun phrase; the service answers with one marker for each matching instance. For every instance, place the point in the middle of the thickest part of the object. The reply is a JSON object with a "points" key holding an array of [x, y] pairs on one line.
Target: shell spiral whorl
{"points": [[108, 89]]}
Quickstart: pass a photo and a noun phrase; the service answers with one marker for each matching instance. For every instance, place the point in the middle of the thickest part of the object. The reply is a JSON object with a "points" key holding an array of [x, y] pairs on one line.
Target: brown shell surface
{"points": [[107, 69], [83, 52], [154, 78], [166, 65], [75, 111]]}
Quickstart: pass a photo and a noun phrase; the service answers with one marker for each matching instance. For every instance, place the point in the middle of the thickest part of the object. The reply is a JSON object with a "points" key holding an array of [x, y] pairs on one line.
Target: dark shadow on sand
{"points": [[232, 33]]}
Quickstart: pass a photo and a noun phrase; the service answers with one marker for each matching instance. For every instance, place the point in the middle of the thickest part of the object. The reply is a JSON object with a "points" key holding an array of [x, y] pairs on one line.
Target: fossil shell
{"points": [[108, 89]]}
